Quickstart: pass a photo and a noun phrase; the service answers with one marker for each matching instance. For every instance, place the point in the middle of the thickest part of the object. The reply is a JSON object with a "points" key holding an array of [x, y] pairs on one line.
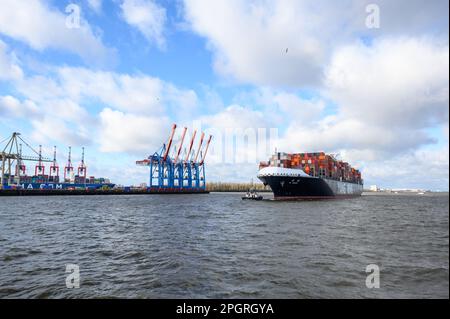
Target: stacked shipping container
{"points": [[55, 179]]}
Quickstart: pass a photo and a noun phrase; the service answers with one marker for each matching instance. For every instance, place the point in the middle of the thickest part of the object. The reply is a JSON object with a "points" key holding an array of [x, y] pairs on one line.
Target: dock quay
{"points": [[124, 191]]}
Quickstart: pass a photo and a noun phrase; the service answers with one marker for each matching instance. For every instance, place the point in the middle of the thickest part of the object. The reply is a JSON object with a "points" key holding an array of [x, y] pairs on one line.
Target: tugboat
{"points": [[252, 195]]}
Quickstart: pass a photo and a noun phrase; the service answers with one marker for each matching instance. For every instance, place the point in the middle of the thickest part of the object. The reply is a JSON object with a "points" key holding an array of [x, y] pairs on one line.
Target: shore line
{"points": [[53, 192]]}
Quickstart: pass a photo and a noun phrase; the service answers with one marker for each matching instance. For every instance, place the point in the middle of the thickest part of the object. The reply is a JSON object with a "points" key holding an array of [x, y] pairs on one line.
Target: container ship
{"points": [[310, 176], [13, 175], [53, 183]]}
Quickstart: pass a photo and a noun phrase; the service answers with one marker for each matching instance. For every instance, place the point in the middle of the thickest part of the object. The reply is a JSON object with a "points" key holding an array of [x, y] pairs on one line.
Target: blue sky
{"points": [[318, 73]]}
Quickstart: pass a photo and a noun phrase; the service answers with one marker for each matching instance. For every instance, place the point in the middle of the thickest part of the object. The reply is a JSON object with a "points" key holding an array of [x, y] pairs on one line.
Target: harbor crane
{"points": [[82, 169], [11, 154], [177, 172], [54, 168], [68, 169]]}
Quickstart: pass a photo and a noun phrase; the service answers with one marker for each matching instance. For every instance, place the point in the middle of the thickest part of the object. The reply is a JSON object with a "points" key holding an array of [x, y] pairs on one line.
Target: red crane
{"points": [[68, 168], [82, 169], [20, 168], [181, 145], [173, 169], [40, 168], [190, 146], [169, 143], [54, 168], [199, 147], [206, 150]]}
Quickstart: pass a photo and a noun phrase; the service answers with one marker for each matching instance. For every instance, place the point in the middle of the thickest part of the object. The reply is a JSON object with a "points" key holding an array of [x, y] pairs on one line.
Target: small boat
{"points": [[252, 195]]}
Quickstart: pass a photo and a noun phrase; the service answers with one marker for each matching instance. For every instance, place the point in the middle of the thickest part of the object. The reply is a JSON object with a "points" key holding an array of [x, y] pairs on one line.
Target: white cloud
{"points": [[55, 120], [395, 82], [388, 95], [67, 110], [141, 94], [410, 17], [12, 107], [389, 157], [122, 132], [42, 27], [9, 66], [287, 43], [122, 91], [182, 103], [249, 41], [418, 169], [95, 5], [306, 111], [281, 108], [239, 136], [235, 116], [133, 93], [148, 17], [85, 104], [334, 134], [50, 128]]}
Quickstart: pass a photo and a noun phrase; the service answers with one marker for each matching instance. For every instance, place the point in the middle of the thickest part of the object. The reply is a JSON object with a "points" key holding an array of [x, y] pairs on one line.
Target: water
{"points": [[218, 246]]}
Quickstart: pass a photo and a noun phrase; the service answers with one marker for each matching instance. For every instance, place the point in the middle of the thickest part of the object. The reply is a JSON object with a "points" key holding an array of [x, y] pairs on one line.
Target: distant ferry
{"points": [[310, 176]]}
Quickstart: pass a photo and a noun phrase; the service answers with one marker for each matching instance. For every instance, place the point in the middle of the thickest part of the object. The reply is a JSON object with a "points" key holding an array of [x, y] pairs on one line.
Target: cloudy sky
{"points": [[324, 74]]}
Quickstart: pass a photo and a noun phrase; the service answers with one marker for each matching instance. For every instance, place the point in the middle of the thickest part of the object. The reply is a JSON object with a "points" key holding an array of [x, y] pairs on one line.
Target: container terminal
{"points": [[169, 174]]}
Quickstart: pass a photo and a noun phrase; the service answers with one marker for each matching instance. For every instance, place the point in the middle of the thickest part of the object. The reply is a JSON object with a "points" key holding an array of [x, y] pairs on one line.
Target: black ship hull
{"points": [[298, 187]]}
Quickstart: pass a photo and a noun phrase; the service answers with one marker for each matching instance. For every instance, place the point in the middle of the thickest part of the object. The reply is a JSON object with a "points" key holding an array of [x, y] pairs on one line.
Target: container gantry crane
{"points": [[82, 169], [177, 173], [11, 155], [68, 169], [54, 168]]}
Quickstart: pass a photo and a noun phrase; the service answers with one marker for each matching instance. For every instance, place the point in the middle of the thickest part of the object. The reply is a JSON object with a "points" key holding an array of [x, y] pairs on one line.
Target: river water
{"points": [[218, 246]]}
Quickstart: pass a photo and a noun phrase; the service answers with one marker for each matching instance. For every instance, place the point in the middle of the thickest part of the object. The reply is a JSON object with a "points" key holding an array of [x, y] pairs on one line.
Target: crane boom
{"points": [[199, 147], [181, 144], [206, 150], [169, 143], [190, 146]]}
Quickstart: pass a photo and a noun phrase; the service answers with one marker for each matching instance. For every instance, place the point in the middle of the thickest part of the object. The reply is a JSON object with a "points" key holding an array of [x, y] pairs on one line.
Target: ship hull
{"points": [[300, 187], [56, 186]]}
